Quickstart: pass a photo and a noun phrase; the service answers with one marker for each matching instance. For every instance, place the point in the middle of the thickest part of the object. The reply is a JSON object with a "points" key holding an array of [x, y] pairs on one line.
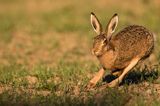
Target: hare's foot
{"points": [[114, 83], [95, 79], [118, 80], [117, 73]]}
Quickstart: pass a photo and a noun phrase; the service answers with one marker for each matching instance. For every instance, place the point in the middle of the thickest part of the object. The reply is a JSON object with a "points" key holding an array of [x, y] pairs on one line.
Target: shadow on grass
{"points": [[134, 77]]}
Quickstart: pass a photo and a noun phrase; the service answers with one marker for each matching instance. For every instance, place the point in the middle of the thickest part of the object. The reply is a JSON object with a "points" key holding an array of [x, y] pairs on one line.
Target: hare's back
{"points": [[131, 42]]}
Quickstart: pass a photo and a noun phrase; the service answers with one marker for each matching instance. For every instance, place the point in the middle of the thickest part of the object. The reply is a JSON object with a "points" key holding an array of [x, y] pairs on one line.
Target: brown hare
{"points": [[121, 52]]}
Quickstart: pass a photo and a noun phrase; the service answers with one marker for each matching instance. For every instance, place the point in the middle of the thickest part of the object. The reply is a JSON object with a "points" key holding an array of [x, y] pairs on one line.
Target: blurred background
{"points": [[45, 50], [47, 31]]}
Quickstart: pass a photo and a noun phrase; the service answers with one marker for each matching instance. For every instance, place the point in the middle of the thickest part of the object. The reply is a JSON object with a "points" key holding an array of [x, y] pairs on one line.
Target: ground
{"points": [[45, 53]]}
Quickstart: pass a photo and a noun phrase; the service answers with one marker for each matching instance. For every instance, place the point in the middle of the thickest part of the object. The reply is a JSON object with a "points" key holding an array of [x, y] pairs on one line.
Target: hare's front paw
{"points": [[90, 86]]}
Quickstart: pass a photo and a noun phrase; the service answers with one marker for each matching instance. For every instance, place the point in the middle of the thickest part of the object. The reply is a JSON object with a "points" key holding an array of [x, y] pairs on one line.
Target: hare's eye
{"points": [[96, 37], [105, 40]]}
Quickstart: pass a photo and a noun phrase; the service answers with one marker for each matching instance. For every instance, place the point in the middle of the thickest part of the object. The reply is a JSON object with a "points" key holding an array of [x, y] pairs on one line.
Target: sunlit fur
{"points": [[123, 47], [117, 51]]}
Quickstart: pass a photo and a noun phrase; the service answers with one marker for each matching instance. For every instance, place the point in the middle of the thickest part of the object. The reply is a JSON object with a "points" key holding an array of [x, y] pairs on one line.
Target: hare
{"points": [[120, 52]]}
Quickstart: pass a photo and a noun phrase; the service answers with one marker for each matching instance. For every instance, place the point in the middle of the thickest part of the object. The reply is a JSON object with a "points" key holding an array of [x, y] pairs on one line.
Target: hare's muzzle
{"points": [[95, 52]]}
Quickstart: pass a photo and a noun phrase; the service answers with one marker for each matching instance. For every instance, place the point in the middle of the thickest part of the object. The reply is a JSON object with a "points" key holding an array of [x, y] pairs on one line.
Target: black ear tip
{"points": [[92, 13], [115, 14]]}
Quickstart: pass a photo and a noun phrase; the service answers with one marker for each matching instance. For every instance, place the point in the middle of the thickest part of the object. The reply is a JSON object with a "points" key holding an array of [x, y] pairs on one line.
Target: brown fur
{"points": [[137, 42], [116, 53], [121, 52]]}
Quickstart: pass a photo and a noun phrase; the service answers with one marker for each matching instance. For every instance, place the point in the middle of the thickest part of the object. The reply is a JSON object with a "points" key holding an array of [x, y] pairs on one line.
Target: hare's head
{"points": [[101, 42]]}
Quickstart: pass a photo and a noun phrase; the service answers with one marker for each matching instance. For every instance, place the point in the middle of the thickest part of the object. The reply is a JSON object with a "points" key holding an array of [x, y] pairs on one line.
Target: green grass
{"points": [[45, 53], [10, 74], [61, 82]]}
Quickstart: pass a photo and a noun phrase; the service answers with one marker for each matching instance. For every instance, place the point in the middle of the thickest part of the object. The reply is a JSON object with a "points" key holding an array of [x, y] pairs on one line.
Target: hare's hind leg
{"points": [[126, 70], [95, 79], [118, 80]]}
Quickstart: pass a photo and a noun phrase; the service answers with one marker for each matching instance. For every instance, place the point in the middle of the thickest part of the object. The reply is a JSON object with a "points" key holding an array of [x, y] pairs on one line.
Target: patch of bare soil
{"points": [[149, 92], [4, 88], [34, 92], [21, 90], [47, 49], [31, 80], [31, 50]]}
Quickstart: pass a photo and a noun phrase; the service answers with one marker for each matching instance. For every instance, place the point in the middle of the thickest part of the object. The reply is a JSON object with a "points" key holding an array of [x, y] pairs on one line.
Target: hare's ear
{"points": [[96, 24], [111, 26]]}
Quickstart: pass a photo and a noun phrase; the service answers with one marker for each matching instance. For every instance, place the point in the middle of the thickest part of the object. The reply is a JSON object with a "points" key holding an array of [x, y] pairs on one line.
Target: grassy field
{"points": [[45, 53]]}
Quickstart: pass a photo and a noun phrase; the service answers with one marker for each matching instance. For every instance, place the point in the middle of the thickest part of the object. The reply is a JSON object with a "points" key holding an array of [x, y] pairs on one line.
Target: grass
{"points": [[45, 53]]}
